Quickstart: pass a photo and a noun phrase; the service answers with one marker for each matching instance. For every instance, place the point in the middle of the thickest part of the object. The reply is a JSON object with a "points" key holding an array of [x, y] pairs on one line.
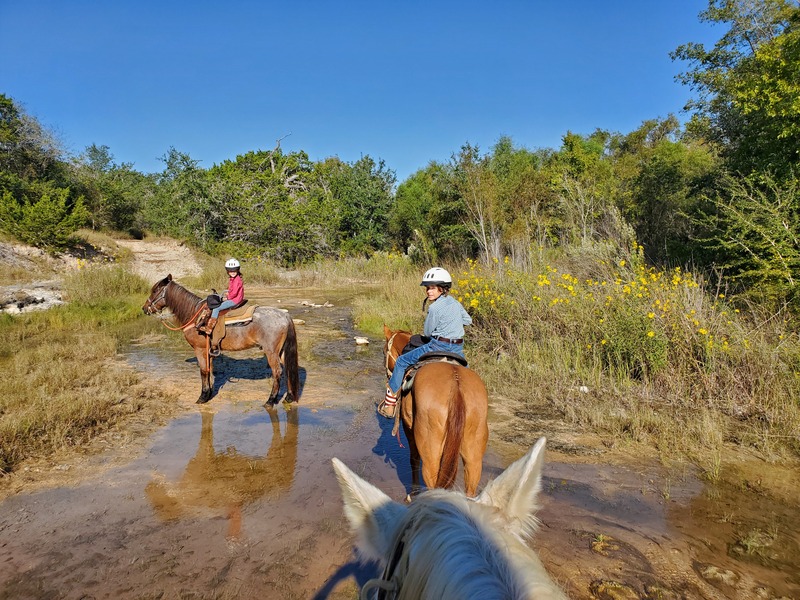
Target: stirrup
{"points": [[214, 351], [387, 410]]}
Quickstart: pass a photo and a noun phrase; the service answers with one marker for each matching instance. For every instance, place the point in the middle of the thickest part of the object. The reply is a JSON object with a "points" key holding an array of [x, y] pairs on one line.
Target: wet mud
{"points": [[231, 500]]}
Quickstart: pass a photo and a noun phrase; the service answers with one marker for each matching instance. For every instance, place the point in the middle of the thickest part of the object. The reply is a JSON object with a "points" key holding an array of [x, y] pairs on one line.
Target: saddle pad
{"points": [[237, 315]]}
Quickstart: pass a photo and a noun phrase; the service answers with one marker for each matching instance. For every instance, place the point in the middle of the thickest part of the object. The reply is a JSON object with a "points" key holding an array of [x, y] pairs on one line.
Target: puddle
{"points": [[233, 500]]}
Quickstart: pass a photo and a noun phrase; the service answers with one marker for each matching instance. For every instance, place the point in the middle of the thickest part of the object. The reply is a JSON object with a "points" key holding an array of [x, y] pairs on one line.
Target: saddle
{"points": [[238, 315], [429, 357]]}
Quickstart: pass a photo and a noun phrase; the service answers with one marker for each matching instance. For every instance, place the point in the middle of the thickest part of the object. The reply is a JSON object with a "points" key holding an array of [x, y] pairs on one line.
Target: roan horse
{"points": [[271, 329], [444, 546], [444, 417]]}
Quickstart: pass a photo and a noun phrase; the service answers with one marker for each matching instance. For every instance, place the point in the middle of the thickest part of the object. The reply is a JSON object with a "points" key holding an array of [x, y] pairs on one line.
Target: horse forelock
{"points": [[456, 548]]}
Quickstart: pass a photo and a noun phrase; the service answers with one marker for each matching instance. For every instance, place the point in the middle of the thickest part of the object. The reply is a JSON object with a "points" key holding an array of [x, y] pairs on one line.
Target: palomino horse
{"points": [[271, 330], [444, 416], [444, 546]]}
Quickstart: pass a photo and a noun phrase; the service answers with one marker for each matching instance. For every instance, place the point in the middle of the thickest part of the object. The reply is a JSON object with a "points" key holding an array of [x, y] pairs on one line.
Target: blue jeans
{"points": [[404, 361], [225, 304]]}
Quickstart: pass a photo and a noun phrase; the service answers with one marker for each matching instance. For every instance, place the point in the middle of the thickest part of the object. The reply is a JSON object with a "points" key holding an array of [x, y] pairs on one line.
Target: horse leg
{"points": [[414, 459], [205, 363], [476, 437], [473, 467], [275, 366]]}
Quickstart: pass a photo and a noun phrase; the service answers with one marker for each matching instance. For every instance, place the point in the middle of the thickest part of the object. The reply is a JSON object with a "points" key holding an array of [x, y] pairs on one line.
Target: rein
{"points": [[188, 324], [389, 348], [389, 582]]}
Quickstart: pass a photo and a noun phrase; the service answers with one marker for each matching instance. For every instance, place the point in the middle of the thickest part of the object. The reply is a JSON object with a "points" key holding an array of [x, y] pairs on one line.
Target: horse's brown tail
{"points": [[290, 363], [454, 433]]}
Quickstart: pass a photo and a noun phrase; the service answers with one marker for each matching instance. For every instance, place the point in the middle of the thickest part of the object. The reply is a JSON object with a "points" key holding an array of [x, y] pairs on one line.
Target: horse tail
{"points": [[454, 433], [290, 362]]}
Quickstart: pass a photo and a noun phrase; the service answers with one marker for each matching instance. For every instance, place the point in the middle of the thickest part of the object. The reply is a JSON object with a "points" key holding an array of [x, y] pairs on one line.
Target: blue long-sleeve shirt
{"points": [[446, 318]]}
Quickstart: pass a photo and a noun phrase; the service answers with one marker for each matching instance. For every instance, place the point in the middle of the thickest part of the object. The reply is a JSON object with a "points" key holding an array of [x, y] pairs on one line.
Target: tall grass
{"points": [[63, 382], [381, 267], [255, 271], [621, 349]]}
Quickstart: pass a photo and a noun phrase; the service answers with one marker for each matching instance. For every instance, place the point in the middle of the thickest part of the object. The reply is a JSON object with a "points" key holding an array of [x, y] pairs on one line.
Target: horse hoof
{"points": [[203, 400]]}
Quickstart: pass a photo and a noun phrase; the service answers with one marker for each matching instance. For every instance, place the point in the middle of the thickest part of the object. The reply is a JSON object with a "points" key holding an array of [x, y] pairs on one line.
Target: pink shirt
{"points": [[236, 289]]}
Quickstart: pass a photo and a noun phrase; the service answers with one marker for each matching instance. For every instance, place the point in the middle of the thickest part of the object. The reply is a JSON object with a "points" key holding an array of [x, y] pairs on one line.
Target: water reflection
{"points": [[222, 482], [394, 450]]}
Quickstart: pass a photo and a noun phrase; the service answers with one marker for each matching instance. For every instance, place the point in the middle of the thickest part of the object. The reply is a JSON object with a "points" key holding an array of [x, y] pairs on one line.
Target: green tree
{"points": [[748, 84], [363, 195], [115, 193], [754, 231], [181, 206], [661, 182], [428, 217]]}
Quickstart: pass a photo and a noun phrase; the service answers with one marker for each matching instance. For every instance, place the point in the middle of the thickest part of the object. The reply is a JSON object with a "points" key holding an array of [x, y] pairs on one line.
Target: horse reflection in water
{"points": [[223, 482], [445, 546]]}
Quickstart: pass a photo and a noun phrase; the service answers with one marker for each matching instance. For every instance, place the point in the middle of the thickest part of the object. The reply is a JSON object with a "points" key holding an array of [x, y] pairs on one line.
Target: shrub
{"points": [[49, 223]]}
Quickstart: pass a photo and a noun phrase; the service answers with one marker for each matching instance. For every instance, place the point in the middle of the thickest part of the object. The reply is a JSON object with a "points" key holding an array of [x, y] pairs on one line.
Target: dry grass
{"points": [[64, 383], [638, 356]]}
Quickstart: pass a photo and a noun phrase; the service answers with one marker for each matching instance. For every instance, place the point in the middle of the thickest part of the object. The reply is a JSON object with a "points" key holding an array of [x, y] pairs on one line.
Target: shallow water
{"points": [[233, 500]]}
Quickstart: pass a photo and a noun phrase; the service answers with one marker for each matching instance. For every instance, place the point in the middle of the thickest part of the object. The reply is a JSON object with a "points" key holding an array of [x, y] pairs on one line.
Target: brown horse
{"points": [[444, 417], [271, 329]]}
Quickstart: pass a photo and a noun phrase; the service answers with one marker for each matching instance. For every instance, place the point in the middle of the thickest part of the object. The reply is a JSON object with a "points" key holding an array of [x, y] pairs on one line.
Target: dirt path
{"points": [[159, 258]]}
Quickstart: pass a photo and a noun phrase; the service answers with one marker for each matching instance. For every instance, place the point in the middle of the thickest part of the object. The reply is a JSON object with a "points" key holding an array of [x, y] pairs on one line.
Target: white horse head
{"points": [[445, 546]]}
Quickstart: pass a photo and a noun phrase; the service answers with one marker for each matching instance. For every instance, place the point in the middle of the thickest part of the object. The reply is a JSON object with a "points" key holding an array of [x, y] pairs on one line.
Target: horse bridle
{"points": [[388, 351], [388, 584], [151, 304]]}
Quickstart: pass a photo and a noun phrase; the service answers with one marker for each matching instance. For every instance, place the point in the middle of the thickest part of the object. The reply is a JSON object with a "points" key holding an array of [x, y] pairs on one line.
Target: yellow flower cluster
{"points": [[670, 304], [478, 291]]}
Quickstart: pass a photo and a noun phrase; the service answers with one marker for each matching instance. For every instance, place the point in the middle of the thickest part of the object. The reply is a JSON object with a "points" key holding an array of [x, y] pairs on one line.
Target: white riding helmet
{"points": [[437, 276], [232, 265]]}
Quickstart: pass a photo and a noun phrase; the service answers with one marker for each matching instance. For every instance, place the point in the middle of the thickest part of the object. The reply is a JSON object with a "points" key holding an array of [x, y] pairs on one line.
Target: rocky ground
{"points": [[150, 259]]}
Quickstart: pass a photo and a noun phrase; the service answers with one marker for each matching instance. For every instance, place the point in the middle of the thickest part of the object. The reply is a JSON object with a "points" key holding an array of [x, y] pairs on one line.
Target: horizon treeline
{"points": [[719, 194]]}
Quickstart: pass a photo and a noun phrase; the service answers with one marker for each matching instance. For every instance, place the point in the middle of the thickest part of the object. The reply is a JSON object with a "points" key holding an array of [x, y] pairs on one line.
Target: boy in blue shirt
{"points": [[444, 324]]}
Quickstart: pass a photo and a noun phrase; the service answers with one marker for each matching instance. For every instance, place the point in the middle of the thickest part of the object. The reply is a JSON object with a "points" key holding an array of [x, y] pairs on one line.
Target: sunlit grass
{"points": [[63, 381], [665, 363]]}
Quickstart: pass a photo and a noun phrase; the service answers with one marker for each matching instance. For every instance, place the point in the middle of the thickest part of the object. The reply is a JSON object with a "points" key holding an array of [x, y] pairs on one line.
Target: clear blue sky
{"points": [[404, 81]]}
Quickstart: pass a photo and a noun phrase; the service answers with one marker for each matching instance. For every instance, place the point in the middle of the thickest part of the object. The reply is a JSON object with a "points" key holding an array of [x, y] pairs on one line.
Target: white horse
{"points": [[445, 546]]}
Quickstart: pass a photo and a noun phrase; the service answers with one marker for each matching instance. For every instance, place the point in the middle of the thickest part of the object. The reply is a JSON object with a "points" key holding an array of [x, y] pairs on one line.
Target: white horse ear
{"points": [[373, 516], [515, 491]]}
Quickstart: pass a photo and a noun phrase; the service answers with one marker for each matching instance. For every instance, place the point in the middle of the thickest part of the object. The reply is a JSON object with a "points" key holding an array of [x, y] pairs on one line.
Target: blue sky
{"points": [[407, 82]]}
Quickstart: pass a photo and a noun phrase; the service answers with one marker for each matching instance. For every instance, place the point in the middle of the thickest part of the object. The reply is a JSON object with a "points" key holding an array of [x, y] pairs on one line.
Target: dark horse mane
{"points": [[180, 301]]}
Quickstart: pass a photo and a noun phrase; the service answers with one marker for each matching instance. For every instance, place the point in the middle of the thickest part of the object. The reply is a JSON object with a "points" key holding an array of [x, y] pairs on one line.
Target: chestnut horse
{"points": [[271, 329], [444, 417]]}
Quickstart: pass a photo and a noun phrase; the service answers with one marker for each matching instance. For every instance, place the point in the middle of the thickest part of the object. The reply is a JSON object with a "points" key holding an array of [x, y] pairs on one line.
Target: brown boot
{"points": [[209, 326]]}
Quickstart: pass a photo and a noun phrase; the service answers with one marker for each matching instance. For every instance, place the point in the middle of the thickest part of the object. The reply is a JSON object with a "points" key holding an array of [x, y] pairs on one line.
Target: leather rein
{"points": [[388, 352]]}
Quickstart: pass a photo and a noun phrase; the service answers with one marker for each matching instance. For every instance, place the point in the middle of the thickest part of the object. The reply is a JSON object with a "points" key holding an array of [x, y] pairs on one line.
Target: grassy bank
{"points": [[619, 349], [64, 382]]}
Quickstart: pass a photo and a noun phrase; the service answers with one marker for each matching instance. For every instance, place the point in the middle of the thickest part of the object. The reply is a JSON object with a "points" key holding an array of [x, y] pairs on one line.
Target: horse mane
{"points": [[455, 554], [181, 301]]}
